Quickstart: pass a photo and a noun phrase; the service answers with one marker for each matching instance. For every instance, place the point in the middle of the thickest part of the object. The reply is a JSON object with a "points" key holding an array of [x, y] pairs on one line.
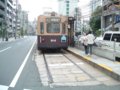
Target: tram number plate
{"points": [[53, 40]]}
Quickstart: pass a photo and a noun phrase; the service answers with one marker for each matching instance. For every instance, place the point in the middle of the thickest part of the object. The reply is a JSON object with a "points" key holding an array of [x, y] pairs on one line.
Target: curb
{"points": [[101, 67]]}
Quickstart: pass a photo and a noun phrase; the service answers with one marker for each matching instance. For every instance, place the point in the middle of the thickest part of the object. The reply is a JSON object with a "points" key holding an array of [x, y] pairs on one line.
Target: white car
{"points": [[98, 41], [111, 42]]}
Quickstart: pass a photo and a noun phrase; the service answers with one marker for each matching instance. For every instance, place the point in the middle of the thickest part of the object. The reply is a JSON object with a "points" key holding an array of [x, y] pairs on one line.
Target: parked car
{"points": [[111, 42], [98, 41]]}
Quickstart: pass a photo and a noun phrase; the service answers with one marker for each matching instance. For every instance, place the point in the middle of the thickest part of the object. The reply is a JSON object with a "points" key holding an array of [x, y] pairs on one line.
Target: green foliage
{"points": [[98, 33], [95, 23], [95, 20], [97, 12], [22, 32]]}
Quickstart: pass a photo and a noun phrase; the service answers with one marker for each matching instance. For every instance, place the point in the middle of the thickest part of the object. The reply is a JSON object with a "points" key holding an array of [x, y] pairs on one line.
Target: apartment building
{"points": [[77, 22], [2, 9], [111, 15], [67, 7], [7, 15]]}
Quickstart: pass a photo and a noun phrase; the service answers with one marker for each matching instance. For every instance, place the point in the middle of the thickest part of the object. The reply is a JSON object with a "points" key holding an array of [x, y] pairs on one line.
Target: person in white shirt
{"points": [[90, 38], [84, 41]]}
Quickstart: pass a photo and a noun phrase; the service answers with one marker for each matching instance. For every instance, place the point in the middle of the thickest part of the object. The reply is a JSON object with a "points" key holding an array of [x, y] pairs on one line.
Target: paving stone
{"points": [[87, 83], [103, 78], [111, 82]]}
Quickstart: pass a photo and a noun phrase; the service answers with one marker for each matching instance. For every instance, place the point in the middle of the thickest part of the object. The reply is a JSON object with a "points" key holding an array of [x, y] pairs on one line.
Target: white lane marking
{"points": [[5, 49], [27, 89], [3, 87], [15, 79], [64, 64], [57, 55]]}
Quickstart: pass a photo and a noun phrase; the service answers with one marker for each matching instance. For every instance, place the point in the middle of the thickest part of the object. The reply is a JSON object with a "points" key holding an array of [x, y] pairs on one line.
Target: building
{"points": [[24, 22], [7, 14], [77, 23], [94, 4], [12, 19], [19, 19], [111, 15], [2, 9], [32, 27], [67, 7]]}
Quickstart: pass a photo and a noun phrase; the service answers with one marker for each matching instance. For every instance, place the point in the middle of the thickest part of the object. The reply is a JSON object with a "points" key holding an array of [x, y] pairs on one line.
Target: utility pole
{"points": [[113, 15], [102, 19]]}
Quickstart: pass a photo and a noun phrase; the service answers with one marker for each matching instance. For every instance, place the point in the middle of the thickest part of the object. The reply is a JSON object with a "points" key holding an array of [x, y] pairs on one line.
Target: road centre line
{"points": [[5, 49], [16, 77]]}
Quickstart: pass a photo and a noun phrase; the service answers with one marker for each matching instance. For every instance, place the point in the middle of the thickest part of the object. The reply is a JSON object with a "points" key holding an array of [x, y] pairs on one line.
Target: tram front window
{"points": [[53, 27]]}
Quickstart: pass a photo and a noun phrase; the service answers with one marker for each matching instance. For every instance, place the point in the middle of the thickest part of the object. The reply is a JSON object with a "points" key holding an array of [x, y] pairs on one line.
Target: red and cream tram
{"points": [[52, 32]]}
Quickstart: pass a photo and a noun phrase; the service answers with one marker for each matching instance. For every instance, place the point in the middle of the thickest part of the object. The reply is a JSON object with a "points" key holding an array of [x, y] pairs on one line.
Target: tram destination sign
{"points": [[52, 20]]}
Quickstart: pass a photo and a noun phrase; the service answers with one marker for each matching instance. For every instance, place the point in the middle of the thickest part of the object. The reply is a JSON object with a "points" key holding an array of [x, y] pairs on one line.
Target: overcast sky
{"points": [[36, 7]]}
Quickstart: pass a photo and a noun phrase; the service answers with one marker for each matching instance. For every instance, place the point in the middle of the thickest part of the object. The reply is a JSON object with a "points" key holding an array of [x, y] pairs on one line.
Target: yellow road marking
{"points": [[117, 62], [106, 67], [87, 58]]}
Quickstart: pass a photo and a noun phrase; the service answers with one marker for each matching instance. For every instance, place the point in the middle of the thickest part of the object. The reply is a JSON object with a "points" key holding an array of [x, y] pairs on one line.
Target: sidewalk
{"points": [[112, 68], [9, 40]]}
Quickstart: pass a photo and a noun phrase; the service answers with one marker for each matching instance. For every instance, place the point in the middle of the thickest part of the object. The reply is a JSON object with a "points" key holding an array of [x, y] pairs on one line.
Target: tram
{"points": [[52, 32]]}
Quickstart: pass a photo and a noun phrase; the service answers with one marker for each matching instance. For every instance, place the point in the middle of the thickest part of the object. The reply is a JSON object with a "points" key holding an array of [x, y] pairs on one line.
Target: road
{"points": [[18, 70], [15, 58]]}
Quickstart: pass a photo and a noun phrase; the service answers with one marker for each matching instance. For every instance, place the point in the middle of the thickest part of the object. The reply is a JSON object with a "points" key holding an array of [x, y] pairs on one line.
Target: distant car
{"points": [[98, 41]]}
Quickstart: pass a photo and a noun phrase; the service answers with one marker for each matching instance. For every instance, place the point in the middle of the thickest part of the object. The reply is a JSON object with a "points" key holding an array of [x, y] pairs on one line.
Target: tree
{"points": [[95, 20], [22, 32]]}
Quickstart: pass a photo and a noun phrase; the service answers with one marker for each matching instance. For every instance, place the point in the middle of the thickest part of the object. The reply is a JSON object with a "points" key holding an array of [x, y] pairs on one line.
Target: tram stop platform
{"points": [[112, 68]]}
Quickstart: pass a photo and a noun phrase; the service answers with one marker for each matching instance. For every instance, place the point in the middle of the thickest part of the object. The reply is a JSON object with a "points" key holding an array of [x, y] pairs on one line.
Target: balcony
{"points": [[108, 12], [112, 9], [106, 2], [2, 4], [2, 12]]}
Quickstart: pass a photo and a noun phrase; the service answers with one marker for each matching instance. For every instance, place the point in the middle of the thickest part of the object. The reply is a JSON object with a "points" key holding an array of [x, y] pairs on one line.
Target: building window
{"points": [[3, 1], [67, 5], [67, 1], [67, 9], [67, 13]]}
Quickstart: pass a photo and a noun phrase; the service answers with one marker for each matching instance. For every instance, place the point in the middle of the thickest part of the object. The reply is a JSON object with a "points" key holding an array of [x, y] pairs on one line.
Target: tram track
{"points": [[50, 78], [47, 69], [76, 65], [66, 69]]}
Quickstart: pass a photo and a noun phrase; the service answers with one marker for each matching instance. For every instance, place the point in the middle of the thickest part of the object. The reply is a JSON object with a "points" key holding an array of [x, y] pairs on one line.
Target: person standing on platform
{"points": [[84, 41], [90, 38]]}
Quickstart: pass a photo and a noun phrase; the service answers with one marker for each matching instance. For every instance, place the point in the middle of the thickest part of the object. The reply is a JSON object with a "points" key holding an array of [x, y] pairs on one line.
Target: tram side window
{"points": [[117, 37], [63, 28], [107, 37], [41, 27]]}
